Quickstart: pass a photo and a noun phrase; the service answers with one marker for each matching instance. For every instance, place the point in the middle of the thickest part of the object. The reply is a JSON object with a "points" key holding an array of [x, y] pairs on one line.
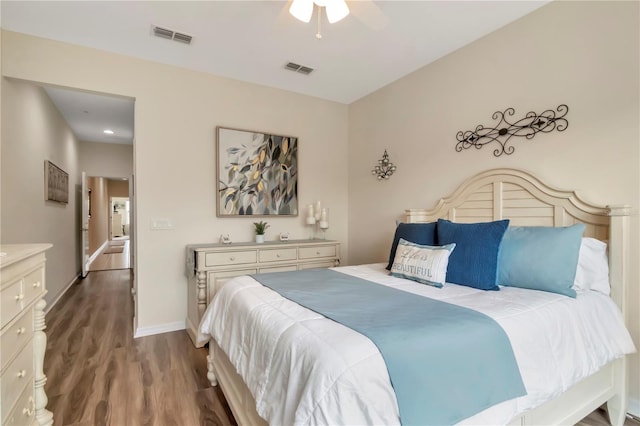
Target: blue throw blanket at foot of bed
{"points": [[445, 362]]}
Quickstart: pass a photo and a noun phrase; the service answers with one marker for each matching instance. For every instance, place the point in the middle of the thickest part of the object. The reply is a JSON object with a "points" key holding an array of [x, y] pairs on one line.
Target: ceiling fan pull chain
{"points": [[318, 35]]}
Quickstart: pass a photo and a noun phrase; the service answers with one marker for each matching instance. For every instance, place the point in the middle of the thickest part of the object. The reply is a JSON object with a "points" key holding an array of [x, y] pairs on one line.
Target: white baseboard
{"points": [[59, 295], [97, 252], [159, 329], [634, 407]]}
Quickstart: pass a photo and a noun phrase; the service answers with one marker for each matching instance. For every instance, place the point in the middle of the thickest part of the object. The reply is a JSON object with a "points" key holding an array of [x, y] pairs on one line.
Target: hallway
{"points": [[115, 255]]}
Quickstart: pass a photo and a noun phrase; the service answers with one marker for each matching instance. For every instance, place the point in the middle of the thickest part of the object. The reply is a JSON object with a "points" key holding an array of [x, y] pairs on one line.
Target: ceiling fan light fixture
{"points": [[336, 10], [302, 9]]}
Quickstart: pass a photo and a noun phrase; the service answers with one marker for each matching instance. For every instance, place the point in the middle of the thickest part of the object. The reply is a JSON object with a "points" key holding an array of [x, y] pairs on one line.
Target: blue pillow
{"points": [[474, 262], [541, 258], [419, 233]]}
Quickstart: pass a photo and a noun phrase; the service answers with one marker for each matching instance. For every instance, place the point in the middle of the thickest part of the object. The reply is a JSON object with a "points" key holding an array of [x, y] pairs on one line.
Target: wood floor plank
{"points": [[213, 407], [176, 404], [98, 374], [141, 403]]}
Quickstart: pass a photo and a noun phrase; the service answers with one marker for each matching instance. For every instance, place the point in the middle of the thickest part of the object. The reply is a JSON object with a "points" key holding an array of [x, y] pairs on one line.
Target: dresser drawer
{"points": [[32, 285], [317, 252], [15, 377], [277, 255], [11, 301], [24, 412], [230, 258], [15, 337]]}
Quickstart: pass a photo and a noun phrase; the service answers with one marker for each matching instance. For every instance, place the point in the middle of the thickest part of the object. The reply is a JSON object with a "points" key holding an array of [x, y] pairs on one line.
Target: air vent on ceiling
{"points": [[171, 34], [291, 66], [184, 38]]}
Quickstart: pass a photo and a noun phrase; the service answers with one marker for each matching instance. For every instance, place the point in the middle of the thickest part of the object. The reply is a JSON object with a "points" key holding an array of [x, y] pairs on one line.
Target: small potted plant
{"points": [[260, 228]]}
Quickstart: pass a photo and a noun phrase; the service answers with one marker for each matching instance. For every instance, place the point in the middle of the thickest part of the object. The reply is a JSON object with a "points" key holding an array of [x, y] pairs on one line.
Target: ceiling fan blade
{"points": [[367, 12]]}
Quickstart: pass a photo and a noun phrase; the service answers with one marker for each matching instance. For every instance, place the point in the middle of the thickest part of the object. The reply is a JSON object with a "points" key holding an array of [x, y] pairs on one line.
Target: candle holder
{"points": [[311, 220], [385, 167], [312, 225], [323, 223], [318, 219]]}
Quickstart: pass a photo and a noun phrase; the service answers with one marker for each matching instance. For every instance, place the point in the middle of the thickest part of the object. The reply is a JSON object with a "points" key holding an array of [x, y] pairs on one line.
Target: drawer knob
{"points": [[277, 255], [21, 330], [36, 284], [19, 297], [22, 373], [318, 252], [232, 258]]}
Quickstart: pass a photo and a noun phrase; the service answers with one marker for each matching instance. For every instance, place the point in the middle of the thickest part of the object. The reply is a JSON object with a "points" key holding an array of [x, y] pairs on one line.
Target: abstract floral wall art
{"points": [[257, 173]]}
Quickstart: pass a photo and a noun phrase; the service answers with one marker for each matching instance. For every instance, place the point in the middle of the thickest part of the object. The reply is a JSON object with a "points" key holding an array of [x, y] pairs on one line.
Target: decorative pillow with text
{"points": [[421, 263]]}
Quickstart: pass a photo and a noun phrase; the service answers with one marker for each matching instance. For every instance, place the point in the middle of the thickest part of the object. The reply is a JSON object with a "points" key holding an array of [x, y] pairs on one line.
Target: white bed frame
{"points": [[521, 197]]}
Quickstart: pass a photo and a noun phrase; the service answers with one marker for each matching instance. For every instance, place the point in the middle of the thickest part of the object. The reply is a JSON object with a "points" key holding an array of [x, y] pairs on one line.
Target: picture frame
{"points": [[257, 173], [56, 183]]}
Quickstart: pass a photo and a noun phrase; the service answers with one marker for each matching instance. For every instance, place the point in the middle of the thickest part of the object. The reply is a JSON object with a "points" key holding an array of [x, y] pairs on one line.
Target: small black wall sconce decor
{"points": [[385, 168], [526, 127]]}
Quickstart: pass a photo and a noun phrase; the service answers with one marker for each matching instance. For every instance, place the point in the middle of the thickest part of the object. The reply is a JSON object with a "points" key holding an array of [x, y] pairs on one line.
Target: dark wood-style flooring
{"points": [[99, 375]]}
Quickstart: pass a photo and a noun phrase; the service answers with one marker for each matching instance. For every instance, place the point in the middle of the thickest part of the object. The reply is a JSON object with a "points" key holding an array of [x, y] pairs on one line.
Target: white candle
{"points": [[311, 220], [324, 224], [318, 210], [310, 212], [323, 215]]}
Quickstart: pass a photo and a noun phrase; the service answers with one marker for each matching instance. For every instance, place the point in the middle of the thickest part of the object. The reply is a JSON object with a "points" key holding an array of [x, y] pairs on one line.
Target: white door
{"points": [[85, 226]]}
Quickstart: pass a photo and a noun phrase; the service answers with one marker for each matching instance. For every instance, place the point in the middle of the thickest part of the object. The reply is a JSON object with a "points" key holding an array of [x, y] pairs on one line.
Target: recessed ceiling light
{"points": [[108, 132]]}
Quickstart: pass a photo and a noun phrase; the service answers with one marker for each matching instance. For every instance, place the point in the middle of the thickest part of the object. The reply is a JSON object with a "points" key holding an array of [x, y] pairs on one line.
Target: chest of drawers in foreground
{"points": [[22, 338]]}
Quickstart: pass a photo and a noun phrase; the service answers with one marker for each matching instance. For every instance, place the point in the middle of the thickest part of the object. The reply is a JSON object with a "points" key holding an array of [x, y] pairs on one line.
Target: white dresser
{"points": [[210, 265], [22, 340]]}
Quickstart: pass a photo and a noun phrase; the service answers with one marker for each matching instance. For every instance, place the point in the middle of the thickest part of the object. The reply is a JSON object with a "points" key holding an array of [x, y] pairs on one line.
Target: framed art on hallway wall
{"points": [[56, 183], [257, 173]]}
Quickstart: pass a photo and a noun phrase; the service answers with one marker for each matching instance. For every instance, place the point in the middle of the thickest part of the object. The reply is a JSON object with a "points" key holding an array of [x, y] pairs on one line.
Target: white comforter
{"points": [[304, 369]]}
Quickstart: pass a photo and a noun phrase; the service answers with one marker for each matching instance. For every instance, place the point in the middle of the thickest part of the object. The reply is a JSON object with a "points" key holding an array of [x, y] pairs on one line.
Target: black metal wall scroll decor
{"points": [[504, 130]]}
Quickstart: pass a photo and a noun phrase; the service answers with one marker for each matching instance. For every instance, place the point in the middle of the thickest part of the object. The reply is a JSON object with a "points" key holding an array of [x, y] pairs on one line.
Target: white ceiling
{"points": [[378, 43], [90, 114]]}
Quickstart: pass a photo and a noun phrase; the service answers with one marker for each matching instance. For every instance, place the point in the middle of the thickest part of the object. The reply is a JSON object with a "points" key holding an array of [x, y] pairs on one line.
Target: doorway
{"points": [[120, 218], [109, 224]]}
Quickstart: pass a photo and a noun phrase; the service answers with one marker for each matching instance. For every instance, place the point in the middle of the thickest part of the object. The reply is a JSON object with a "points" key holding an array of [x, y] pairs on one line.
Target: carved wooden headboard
{"points": [[527, 201]]}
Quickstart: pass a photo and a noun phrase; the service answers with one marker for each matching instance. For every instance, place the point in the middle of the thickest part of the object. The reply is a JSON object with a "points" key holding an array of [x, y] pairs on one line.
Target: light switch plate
{"points": [[161, 223]]}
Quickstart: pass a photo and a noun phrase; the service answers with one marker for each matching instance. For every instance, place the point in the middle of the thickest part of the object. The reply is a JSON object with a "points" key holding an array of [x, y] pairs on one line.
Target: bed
{"points": [[282, 387]]}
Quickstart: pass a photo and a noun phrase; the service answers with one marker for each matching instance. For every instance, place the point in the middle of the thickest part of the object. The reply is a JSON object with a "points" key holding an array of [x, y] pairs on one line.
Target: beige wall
{"points": [[584, 54], [99, 221], [33, 131], [118, 188], [176, 112], [106, 159]]}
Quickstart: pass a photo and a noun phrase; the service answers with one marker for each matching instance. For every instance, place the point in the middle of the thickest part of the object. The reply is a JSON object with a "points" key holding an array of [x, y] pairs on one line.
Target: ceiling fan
{"points": [[303, 9], [336, 10]]}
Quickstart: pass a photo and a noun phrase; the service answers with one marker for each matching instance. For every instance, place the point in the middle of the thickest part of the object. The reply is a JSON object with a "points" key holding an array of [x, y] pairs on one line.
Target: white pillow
{"points": [[421, 263], [593, 267]]}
